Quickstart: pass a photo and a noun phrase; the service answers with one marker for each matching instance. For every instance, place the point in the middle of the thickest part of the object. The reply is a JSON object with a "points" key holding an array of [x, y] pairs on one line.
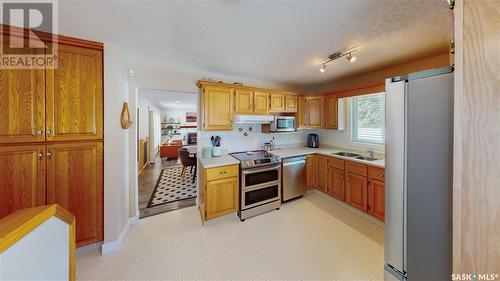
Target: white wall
{"points": [[177, 113], [43, 254], [145, 106], [116, 146]]}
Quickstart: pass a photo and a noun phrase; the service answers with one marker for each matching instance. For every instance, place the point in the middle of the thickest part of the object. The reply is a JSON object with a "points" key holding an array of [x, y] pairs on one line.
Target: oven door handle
{"points": [[261, 186], [249, 172]]}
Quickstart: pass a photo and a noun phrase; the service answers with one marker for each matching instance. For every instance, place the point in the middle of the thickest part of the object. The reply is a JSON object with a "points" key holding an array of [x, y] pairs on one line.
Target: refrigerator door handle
{"points": [[398, 275]]}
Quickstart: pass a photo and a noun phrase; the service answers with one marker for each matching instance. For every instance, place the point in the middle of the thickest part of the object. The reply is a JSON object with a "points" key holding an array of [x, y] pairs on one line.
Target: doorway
{"points": [[167, 147]]}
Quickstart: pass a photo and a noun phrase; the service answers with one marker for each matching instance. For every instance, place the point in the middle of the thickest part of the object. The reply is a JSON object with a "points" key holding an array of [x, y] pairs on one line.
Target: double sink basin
{"points": [[355, 156]]}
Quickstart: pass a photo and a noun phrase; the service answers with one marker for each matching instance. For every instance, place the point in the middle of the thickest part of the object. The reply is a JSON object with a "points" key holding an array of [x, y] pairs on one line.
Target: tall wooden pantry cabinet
{"points": [[51, 137]]}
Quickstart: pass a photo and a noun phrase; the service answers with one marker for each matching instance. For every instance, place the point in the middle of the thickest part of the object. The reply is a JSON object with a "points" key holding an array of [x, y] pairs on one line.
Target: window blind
{"points": [[367, 118]]}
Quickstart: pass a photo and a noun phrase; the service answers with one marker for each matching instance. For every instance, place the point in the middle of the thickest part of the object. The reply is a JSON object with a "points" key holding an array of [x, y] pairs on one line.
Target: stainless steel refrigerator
{"points": [[418, 196]]}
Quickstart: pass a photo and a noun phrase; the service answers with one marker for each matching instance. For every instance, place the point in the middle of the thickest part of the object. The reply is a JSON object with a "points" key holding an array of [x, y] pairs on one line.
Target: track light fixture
{"points": [[337, 55]]}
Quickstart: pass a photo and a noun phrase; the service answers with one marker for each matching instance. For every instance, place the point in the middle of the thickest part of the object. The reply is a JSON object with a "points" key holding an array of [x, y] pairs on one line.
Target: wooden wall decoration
{"points": [[125, 118]]}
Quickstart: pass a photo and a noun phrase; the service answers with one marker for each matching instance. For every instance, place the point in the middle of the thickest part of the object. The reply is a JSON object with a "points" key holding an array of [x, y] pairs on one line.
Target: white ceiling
{"points": [[165, 100], [276, 41]]}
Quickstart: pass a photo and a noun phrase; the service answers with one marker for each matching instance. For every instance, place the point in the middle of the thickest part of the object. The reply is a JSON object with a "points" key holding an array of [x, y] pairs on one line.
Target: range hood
{"points": [[252, 119]]}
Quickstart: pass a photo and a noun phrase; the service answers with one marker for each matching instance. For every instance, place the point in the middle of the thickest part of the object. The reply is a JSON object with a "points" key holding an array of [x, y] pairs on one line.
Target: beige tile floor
{"points": [[312, 238]]}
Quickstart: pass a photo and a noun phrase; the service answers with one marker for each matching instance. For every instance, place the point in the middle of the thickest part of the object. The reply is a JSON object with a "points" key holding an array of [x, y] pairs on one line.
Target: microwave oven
{"points": [[283, 124]]}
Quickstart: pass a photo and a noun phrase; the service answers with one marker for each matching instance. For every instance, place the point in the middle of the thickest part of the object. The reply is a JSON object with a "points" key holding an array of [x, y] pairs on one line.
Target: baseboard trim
{"points": [[87, 248], [115, 245]]}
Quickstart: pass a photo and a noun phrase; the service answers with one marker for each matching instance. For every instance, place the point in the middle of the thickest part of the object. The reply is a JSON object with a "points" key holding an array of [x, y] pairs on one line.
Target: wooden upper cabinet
{"points": [[222, 197], [217, 108], [243, 101], [75, 95], [311, 171], [22, 105], [314, 109], [260, 102], [277, 102], [331, 114], [75, 181], [290, 103], [301, 112], [22, 178], [322, 167]]}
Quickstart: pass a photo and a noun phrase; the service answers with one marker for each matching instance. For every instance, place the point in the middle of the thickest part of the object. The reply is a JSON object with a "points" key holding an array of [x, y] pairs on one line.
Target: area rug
{"points": [[171, 187]]}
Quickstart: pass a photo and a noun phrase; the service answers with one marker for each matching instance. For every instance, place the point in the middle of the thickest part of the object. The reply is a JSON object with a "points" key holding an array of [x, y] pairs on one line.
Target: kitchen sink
{"points": [[347, 154], [367, 158]]}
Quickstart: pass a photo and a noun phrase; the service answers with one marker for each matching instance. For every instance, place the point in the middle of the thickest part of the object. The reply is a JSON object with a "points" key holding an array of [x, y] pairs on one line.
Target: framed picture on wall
{"points": [[191, 117]]}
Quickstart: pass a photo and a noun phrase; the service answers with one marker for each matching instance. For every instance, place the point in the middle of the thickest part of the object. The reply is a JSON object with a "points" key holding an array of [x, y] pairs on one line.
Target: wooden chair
{"points": [[186, 162]]}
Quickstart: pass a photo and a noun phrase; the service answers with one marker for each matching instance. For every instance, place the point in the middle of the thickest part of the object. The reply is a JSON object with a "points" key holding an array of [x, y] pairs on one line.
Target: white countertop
{"points": [[223, 160], [327, 151], [226, 159]]}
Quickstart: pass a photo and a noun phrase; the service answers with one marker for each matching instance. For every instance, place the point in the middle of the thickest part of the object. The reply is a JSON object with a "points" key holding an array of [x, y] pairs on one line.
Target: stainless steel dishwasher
{"points": [[294, 177]]}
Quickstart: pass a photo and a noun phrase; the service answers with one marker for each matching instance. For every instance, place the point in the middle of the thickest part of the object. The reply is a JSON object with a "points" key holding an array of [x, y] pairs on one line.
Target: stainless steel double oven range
{"points": [[260, 182]]}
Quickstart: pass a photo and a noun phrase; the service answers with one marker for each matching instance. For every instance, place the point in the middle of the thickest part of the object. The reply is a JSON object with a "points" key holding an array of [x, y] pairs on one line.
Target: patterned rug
{"points": [[171, 187]]}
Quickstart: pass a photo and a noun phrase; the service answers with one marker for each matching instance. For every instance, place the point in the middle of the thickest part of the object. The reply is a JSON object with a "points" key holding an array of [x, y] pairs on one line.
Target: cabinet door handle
{"points": [[40, 155], [39, 132], [48, 132], [49, 155]]}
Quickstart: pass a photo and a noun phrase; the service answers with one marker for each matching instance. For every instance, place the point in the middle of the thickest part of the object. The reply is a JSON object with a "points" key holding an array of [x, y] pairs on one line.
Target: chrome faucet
{"points": [[371, 152]]}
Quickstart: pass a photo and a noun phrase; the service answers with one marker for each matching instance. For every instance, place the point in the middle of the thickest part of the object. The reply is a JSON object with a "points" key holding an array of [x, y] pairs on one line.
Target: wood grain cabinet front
{"points": [[314, 108], [220, 191], [331, 114], [222, 197], [260, 102], [336, 178], [217, 108], [243, 101], [75, 181], [22, 105], [75, 95], [311, 171], [322, 166], [22, 178], [277, 102], [376, 192], [290, 103], [356, 191], [301, 112]]}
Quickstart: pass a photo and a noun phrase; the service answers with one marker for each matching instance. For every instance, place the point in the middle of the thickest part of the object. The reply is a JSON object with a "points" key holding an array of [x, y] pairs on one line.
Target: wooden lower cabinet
{"points": [[376, 199], [22, 178], [311, 172], [75, 181], [336, 186], [322, 168], [220, 193], [222, 197], [356, 191]]}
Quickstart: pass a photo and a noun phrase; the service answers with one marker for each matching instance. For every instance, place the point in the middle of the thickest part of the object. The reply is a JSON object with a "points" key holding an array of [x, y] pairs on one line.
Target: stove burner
{"points": [[258, 158]]}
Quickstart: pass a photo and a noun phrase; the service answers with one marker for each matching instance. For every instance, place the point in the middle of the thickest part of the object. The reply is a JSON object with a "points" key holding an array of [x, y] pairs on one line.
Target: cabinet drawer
{"points": [[222, 172], [356, 168], [376, 173], [336, 163]]}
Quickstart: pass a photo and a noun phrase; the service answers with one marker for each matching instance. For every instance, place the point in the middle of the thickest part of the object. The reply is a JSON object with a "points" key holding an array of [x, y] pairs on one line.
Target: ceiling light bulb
{"points": [[323, 68], [351, 58]]}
